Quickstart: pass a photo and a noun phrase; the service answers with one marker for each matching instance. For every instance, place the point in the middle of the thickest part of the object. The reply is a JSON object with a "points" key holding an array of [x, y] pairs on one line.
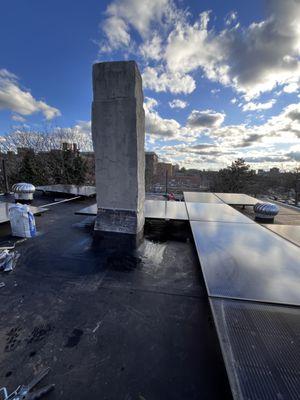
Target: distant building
{"points": [[22, 151], [70, 147], [151, 161], [274, 170], [164, 168]]}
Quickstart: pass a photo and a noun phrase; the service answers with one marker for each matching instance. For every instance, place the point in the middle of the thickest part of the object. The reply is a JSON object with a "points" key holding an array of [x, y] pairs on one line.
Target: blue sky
{"points": [[221, 78]]}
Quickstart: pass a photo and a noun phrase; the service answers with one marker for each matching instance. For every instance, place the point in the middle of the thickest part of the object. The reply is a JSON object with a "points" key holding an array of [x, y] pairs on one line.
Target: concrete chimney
{"points": [[118, 129]]}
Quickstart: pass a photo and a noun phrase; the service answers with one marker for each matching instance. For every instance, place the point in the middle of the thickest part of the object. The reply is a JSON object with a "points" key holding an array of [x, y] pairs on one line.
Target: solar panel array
{"points": [[154, 209], [252, 276]]}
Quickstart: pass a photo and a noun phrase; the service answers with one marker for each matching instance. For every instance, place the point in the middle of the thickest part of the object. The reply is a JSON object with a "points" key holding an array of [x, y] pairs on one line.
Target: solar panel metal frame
{"points": [[208, 212], [247, 262], [260, 346]]}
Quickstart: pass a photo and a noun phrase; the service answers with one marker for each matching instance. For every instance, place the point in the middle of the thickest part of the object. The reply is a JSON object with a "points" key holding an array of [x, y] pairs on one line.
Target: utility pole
{"points": [[297, 191], [166, 181], [5, 176]]}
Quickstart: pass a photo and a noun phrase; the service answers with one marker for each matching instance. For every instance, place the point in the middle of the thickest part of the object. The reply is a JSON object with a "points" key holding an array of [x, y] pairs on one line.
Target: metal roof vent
{"points": [[23, 191], [265, 211]]}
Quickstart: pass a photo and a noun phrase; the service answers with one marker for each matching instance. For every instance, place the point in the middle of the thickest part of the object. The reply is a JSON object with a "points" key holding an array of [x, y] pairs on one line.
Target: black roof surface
{"points": [[109, 324]]}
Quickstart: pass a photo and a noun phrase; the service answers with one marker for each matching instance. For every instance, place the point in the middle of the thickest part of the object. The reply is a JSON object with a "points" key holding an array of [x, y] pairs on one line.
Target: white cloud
{"points": [[280, 129], [191, 46], [177, 103], [252, 59], [152, 48], [159, 81], [231, 17], [291, 87], [122, 15], [234, 100], [156, 125], [261, 144], [20, 101], [251, 106], [117, 33], [18, 118], [205, 119]]}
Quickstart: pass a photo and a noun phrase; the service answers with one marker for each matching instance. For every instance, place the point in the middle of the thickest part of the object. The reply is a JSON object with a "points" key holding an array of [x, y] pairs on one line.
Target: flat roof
{"points": [[109, 324]]}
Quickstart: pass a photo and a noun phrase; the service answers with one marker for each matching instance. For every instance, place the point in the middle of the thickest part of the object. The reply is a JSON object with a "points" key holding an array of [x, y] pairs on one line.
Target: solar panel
{"points": [[155, 209], [289, 232], [175, 210], [215, 213], [201, 197], [260, 345], [85, 191], [237, 199], [247, 261]]}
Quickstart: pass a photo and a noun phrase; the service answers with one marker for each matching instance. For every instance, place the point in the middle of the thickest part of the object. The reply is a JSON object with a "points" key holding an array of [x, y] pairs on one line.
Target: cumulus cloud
{"points": [[21, 101], [205, 119], [177, 103], [281, 128], [122, 15], [165, 81], [156, 125], [152, 48], [251, 59], [175, 48], [251, 106], [117, 33]]}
